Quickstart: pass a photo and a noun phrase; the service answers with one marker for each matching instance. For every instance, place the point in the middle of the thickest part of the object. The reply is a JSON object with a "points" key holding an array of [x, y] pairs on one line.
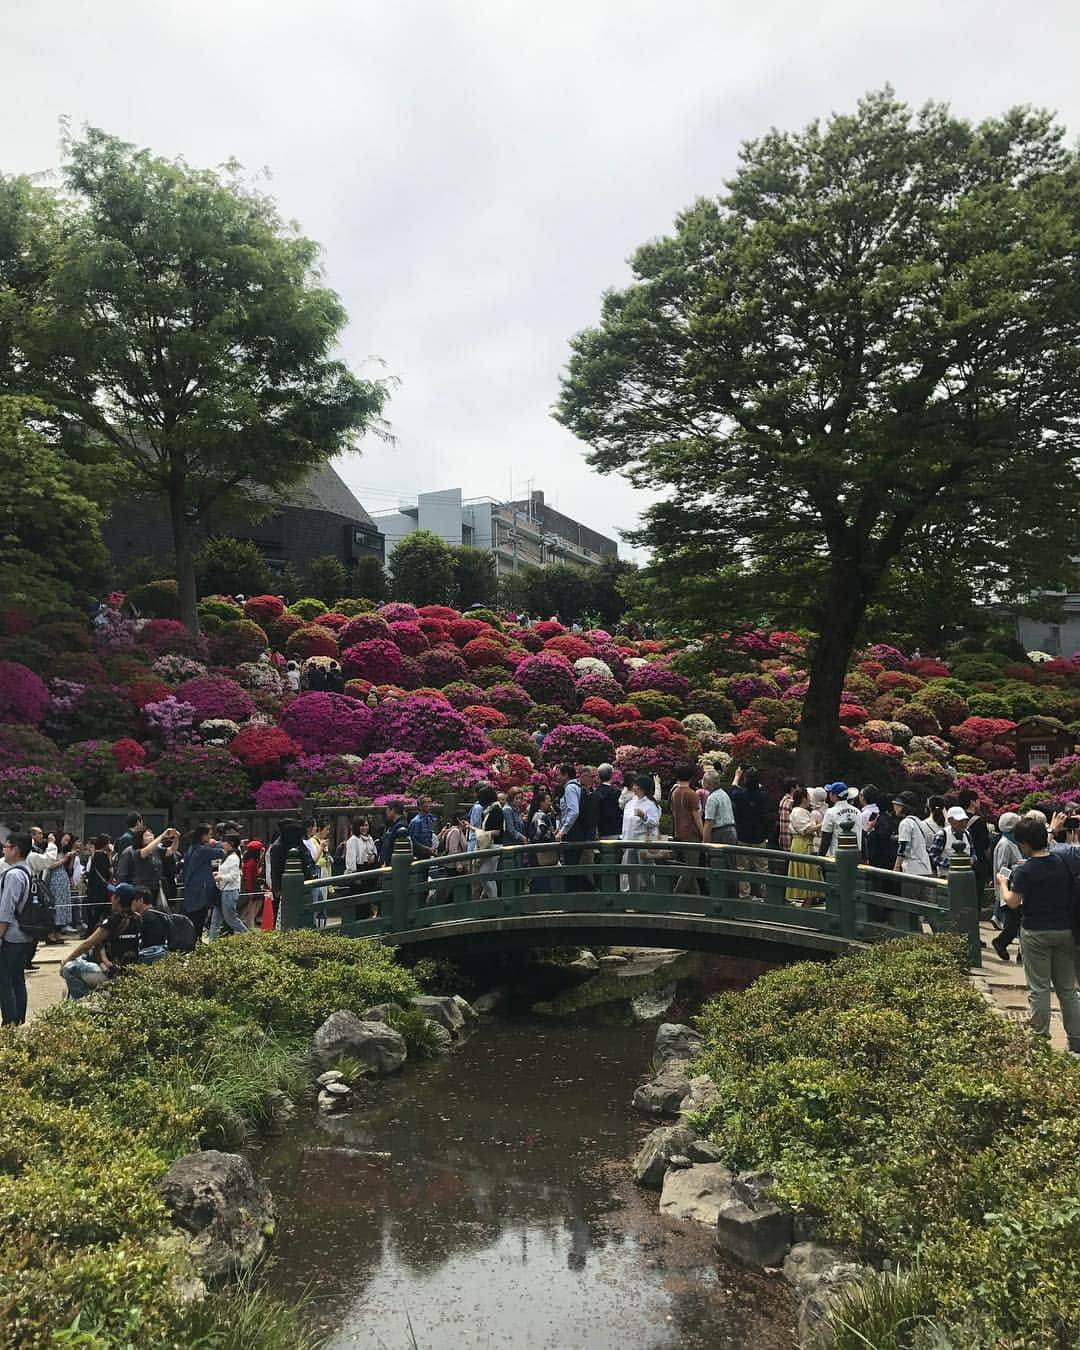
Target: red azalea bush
{"points": [[464, 630], [409, 637], [216, 696], [328, 723], [974, 731], [24, 696], [527, 638], [484, 651], [547, 628], [852, 715], [263, 750], [334, 621], [162, 637], [263, 609], [311, 640], [439, 613], [376, 659], [570, 646], [548, 678], [127, 753], [599, 707], [435, 631], [483, 715], [577, 743]]}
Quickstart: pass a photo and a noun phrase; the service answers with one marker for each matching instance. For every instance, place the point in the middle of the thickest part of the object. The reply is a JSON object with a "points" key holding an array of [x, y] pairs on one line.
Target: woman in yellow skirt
{"points": [[804, 830]]}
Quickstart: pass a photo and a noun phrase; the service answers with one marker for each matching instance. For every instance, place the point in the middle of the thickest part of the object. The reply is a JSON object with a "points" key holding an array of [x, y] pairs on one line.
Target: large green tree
{"points": [[475, 582], [183, 324], [422, 569], [876, 326]]}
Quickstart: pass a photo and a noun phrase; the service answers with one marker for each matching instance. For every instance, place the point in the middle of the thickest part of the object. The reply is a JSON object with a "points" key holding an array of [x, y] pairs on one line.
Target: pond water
{"points": [[485, 1200]]}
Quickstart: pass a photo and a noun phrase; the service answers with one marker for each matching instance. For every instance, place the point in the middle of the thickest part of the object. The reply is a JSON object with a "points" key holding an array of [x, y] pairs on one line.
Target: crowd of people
{"points": [[134, 898]]}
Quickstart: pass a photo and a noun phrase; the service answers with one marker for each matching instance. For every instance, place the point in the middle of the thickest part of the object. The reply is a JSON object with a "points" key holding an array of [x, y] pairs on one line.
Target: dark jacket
{"points": [[608, 814]]}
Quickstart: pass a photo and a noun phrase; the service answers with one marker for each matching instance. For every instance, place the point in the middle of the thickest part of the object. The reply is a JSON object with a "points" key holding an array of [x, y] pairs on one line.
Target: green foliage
{"points": [[886, 1311], [352, 607], [214, 382], [653, 704], [913, 238], [308, 608], [880, 1091], [326, 578], [421, 1038], [228, 566], [99, 1096], [558, 589], [50, 532], [474, 576], [422, 569], [156, 599], [368, 579]]}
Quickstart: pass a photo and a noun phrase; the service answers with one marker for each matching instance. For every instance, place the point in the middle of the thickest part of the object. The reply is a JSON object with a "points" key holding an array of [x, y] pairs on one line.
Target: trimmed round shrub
{"points": [[652, 704], [263, 750], [547, 678], [398, 611], [599, 686], [442, 665], [376, 659], [278, 794], [527, 638], [988, 705], [578, 743], [460, 693], [220, 607], [202, 777], [161, 636], [387, 771], [156, 599], [661, 679], [328, 723], [423, 726], [351, 606], [569, 645], [308, 608], [409, 638], [263, 609], [280, 630], [91, 766], [23, 695], [100, 712], [514, 740], [22, 744], [713, 704], [363, 628], [484, 651], [441, 613], [946, 705], [238, 642], [483, 715], [311, 640], [510, 699], [464, 630], [216, 696]]}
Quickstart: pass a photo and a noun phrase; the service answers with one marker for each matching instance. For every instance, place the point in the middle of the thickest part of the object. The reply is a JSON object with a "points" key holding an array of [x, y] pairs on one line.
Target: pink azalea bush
{"points": [[216, 696], [323, 723], [548, 678], [24, 696]]}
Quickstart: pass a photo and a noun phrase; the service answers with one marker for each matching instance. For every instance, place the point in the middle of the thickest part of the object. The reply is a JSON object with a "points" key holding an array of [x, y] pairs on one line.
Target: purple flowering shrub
{"points": [[214, 696], [509, 699], [599, 686], [423, 726], [743, 689], [399, 612], [462, 693], [169, 721], [24, 696], [376, 659], [577, 743], [278, 794], [91, 766], [387, 771], [661, 679], [364, 628], [328, 723], [548, 678]]}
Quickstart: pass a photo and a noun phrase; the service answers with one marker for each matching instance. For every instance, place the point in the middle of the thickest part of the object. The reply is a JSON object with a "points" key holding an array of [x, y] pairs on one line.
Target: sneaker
{"points": [[1001, 948], [69, 932]]}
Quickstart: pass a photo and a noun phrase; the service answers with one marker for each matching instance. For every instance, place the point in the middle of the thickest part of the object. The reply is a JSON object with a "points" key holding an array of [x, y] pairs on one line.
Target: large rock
{"points": [[657, 1151], [665, 1094], [756, 1235], [226, 1212], [379, 1048], [674, 1040], [702, 1094], [468, 1012], [699, 1193], [702, 1151], [586, 961], [440, 1009]]}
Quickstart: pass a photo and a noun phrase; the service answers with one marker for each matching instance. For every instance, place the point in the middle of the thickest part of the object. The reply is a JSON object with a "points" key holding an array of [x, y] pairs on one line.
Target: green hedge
{"points": [[101, 1095], [909, 1120]]}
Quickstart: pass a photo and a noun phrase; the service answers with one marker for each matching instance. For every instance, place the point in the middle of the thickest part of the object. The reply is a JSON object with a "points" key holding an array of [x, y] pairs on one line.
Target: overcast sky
{"points": [[478, 171]]}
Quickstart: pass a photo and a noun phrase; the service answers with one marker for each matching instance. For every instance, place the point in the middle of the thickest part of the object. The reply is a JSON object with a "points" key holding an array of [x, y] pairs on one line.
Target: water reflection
{"points": [[502, 1214]]}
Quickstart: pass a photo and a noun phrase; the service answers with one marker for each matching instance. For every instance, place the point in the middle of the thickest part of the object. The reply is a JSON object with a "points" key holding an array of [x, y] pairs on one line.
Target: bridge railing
{"points": [[835, 896]]}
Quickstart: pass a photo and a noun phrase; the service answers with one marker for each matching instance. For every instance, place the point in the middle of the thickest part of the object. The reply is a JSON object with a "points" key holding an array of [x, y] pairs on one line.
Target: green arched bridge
{"points": [[706, 897]]}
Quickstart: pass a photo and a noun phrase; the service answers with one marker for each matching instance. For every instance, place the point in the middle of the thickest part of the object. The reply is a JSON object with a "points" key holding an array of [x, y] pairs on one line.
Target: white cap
{"points": [[956, 813]]}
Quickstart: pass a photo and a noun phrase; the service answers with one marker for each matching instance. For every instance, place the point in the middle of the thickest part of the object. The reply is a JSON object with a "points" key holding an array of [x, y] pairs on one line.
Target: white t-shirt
{"points": [[640, 827], [913, 845], [837, 817]]}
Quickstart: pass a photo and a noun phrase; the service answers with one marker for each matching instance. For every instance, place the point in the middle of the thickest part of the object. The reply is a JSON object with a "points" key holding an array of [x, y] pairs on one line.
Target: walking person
{"points": [[1044, 883], [1007, 855], [199, 888], [228, 881], [540, 828], [362, 855], [489, 836], [687, 826], [251, 882]]}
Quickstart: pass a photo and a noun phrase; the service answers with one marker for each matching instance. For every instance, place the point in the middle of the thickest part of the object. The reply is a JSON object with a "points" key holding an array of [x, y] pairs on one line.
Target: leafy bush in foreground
{"points": [[899, 1112], [101, 1095]]}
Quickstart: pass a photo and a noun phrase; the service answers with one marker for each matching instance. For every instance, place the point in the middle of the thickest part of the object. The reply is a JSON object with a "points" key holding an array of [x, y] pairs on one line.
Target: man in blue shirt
{"points": [[422, 829]]}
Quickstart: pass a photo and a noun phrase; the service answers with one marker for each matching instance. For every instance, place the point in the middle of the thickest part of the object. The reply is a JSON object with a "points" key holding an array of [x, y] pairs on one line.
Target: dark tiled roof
{"points": [[325, 490]]}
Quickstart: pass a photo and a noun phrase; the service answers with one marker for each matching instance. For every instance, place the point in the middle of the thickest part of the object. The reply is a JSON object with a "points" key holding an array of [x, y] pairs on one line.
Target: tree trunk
{"points": [[822, 746], [183, 546]]}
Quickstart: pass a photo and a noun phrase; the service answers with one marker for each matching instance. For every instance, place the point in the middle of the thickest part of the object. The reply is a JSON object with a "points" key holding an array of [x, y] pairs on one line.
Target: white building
{"points": [[521, 534]]}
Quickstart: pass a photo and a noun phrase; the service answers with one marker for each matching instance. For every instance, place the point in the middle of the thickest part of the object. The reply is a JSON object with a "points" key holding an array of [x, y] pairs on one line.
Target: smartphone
{"points": [[1072, 822]]}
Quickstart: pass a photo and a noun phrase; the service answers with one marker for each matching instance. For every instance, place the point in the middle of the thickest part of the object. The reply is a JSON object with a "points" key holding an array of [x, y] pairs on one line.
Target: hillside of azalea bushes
{"points": [[125, 711]]}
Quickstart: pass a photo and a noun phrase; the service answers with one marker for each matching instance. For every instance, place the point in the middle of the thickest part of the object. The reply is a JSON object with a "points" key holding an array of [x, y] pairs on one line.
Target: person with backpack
{"points": [[914, 836], [115, 942], [1045, 883], [161, 932], [978, 832], [16, 943]]}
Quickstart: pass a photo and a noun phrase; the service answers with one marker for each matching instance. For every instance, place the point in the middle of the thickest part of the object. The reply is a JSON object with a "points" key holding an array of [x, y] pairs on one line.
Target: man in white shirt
{"points": [[719, 823], [842, 814]]}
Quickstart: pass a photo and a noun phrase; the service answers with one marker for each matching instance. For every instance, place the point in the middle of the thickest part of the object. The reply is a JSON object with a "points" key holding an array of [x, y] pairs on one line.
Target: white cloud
{"points": [[478, 172]]}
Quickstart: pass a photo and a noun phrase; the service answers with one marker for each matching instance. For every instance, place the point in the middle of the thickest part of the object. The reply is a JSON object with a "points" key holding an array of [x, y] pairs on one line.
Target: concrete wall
{"points": [[1059, 639]]}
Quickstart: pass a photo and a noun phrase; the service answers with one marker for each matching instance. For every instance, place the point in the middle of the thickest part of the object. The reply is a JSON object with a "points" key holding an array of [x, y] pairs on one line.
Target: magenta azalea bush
{"points": [[328, 723], [215, 696], [376, 659], [548, 678], [278, 794], [386, 771], [23, 695], [423, 726], [662, 679], [200, 776], [33, 787], [576, 743]]}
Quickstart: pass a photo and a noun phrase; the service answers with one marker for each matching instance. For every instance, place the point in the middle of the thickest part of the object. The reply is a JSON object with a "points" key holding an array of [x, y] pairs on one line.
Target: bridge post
{"points": [[400, 871], [964, 905], [294, 913], [609, 857], [847, 877]]}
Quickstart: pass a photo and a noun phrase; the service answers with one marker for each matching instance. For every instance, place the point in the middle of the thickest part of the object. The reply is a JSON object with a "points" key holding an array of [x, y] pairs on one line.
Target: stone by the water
{"points": [[330, 1076], [699, 1193], [379, 1048], [675, 1040], [222, 1207], [656, 1153], [664, 1095]]}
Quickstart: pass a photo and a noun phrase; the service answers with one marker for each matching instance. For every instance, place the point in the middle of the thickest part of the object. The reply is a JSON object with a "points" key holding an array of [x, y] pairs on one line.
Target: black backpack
{"points": [[182, 936], [35, 917]]}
